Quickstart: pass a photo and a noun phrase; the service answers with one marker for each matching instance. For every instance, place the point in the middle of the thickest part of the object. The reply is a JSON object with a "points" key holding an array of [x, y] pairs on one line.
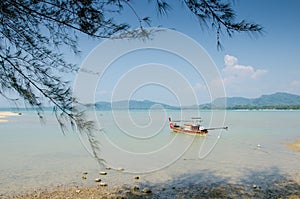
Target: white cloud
{"points": [[230, 60], [295, 83], [242, 80], [234, 71], [199, 87]]}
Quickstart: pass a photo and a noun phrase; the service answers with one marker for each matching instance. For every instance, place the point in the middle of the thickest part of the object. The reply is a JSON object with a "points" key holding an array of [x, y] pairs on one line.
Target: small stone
{"points": [[77, 191], [103, 184], [147, 190], [83, 177], [136, 188], [120, 169], [254, 186], [97, 180], [85, 173], [102, 173], [136, 177], [108, 168]]}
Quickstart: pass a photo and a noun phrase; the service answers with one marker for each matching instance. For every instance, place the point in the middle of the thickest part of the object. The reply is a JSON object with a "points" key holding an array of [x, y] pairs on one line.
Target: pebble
{"points": [[108, 168], [102, 173], [103, 184], [120, 169], [147, 190], [85, 173], [136, 188], [83, 177], [77, 191], [255, 186], [136, 177], [97, 180]]}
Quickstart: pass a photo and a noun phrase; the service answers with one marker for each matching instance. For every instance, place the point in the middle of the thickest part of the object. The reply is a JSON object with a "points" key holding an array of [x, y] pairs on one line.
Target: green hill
{"points": [[278, 100], [274, 101]]}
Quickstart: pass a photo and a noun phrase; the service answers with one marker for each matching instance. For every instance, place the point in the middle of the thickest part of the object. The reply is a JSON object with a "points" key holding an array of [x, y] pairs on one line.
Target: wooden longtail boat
{"points": [[193, 127]]}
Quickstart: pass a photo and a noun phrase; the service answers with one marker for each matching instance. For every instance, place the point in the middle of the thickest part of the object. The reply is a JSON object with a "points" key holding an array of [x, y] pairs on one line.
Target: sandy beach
{"points": [[281, 189], [295, 146], [6, 114]]}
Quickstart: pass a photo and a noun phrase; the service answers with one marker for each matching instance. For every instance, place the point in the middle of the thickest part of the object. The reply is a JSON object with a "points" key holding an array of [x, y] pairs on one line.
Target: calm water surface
{"points": [[34, 154]]}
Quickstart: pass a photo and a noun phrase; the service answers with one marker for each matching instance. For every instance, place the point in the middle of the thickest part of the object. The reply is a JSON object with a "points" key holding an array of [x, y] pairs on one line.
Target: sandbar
{"points": [[295, 146]]}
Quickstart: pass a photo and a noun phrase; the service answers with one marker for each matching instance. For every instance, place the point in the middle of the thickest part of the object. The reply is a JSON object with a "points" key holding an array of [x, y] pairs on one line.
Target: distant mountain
{"points": [[133, 104], [274, 101]]}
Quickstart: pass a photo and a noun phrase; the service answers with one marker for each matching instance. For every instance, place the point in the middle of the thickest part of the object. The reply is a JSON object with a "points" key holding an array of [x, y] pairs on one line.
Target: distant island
{"points": [[278, 101]]}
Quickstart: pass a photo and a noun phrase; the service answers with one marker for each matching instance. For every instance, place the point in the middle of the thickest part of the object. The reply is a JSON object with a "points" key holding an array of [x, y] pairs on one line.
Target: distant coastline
{"points": [[276, 101]]}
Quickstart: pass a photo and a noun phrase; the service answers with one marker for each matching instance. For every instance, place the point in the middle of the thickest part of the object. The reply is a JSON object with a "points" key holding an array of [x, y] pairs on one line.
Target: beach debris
{"points": [[103, 184], [146, 190], [78, 191], [97, 180], [136, 177], [120, 169], [102, 173], [136, 188]]}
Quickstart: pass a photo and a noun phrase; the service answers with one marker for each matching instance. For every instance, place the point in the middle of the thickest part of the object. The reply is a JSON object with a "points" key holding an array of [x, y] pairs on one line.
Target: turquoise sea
{"points": [[36, 154]]}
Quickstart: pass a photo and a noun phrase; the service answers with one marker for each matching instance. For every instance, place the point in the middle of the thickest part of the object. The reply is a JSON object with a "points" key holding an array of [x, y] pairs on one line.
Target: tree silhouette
{"points": [[34, 32]]}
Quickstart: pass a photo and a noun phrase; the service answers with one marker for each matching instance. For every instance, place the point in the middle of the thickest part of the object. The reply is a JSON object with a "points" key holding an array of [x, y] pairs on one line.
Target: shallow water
{"points": [[34, 154]]}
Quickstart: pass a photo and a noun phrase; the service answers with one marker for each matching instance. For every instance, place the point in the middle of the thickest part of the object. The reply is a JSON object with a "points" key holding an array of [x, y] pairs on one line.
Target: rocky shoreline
{"points": [[281, 189]]}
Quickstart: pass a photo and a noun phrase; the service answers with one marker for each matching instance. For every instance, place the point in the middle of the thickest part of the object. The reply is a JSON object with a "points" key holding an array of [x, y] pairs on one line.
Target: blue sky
{"points": [[249, 66]]}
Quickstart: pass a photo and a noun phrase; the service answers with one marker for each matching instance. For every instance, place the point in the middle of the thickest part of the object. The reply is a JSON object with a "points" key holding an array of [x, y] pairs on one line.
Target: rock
{"points": [[120, 169], [147, 190], [77, 191], [136, 188], [255, 186], [83, 177], [102, 173], [108, 168], [85, 173], [97, 180], [103, 184], [136, 177]]}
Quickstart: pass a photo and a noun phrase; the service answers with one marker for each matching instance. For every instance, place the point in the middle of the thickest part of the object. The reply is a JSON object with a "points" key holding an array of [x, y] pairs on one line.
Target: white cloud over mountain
{"points": [[235, 72]]}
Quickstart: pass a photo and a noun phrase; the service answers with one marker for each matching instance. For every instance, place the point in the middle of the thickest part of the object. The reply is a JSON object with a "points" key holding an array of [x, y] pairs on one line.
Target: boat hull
{"points": [[194, 132]]}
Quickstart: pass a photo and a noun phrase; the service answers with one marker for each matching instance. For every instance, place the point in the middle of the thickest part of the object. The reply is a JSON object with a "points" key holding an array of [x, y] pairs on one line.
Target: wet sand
{"points": [[295, 146]]}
